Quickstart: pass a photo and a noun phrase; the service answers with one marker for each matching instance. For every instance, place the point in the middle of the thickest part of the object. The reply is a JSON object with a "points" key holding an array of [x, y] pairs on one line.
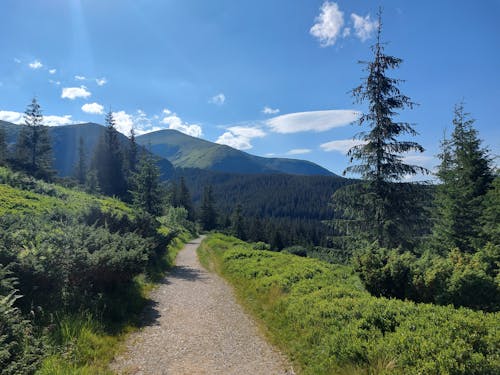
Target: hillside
{"points": [[185, 151], [65, 141]]}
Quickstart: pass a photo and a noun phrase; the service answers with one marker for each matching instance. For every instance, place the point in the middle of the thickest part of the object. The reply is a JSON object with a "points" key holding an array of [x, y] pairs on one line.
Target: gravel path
{"points": [[195, 326]]}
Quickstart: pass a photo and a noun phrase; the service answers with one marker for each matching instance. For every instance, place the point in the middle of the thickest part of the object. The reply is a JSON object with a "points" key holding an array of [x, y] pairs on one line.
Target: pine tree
{"points": [[277, 241], [3, 147], [466, 175], [132, 153], [381, 208], [148, 193], [81, 164], [184, 199], [92, 182], [108, 161], [238, 224], [256, 231], [208, 214], [33, 147]]}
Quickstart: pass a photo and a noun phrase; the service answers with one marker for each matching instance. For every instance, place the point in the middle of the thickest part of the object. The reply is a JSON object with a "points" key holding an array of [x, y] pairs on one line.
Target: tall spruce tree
{"points": [[184, 199], [108, 161], [132, 153], [148, 193], [81, 164], [381, 208], [33, 148], [238, 223], [208, 214], [466, 175]]}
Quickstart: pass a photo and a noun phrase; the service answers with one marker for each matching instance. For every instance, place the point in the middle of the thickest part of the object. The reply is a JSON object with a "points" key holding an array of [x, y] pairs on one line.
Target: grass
{"points": [[21, 194], [321, 316]]}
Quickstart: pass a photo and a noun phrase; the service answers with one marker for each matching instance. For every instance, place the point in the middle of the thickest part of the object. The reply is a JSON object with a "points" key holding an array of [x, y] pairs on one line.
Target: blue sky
{"points": [[270, 77]]}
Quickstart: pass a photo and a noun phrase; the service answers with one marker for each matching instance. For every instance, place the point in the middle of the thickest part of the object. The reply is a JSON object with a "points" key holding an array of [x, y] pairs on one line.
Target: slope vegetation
{"points": [[328, 324], [190, 152]]}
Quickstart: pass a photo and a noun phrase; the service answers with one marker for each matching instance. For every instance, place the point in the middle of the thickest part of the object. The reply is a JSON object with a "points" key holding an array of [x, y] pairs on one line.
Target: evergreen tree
{"points": [[81, 164], [466, 176], [380, 208], [92, 182], [33, 147], [208, 214], [132, 153], [277, 241], [148, 193], [173, 194], [238, 224], [256, 231], [184, 199], [490, 218], [3, 147], [108, 161]]}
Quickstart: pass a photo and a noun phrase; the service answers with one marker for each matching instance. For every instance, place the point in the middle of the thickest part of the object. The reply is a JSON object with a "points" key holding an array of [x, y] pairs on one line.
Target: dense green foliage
{"points": [[20, 350], [208, 212], [323, 318], [294, 206], [79, 265]]}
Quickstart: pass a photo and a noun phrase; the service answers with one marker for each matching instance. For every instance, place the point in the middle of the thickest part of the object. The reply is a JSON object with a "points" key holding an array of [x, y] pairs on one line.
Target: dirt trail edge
{"points": [[195, 326]]}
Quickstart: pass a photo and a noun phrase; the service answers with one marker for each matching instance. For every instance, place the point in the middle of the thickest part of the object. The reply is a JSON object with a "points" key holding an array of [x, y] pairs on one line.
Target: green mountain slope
{"points": [[65, 141], [185, 151]]}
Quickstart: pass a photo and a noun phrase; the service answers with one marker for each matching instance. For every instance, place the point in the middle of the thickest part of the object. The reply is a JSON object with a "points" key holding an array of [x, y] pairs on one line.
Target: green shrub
{"points": [[20, 351], [321, 315]]}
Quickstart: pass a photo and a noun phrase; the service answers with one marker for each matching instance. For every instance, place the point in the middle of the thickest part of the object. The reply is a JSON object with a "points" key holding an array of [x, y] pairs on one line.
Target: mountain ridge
{"points": [[185, 151]]}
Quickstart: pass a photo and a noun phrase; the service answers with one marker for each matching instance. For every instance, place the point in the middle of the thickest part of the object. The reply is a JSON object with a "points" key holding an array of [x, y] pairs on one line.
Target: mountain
{"points": [[65, 143], [184, 151]]}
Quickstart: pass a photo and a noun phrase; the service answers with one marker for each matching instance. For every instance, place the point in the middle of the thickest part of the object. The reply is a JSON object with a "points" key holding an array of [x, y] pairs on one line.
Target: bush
{"points": [[69, 264], [20, 351], [323, 318], [456, 278]]}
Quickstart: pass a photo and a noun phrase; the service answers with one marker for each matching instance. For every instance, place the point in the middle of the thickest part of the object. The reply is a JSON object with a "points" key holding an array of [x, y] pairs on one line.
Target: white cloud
{"points": [[17, 61], [11, 116], [328, 24], [35, 64], [240, 137], [420, 159], [101, 81], [175, 122], [93, 108], [50, 120], [299, 151], [270, 111], [54, 82], [218, 99], [80, 78], [52, 71], [342, 145], [364, 27], [317, 121], [57, 120], [123, 122], [75, 92], [346, 32]]}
